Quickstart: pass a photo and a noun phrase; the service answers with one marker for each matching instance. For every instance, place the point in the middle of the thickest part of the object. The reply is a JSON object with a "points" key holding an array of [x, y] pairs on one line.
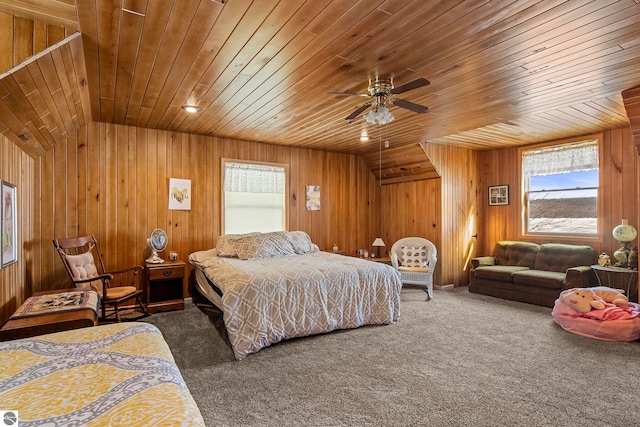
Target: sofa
{"points": [[532, 273]]}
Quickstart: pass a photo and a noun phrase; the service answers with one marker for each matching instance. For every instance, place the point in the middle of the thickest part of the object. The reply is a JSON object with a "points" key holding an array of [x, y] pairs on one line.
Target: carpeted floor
{"points": [[460, 359]]}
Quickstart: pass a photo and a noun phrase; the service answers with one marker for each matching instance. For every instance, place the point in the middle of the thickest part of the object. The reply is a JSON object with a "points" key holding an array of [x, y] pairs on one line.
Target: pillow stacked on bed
{"points": [[265, 245], [224, 244], [301, 242]]}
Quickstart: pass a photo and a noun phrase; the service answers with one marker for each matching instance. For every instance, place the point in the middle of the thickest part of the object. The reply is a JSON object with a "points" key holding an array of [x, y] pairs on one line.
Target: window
{"points": [[560, 188], [253, 197]]}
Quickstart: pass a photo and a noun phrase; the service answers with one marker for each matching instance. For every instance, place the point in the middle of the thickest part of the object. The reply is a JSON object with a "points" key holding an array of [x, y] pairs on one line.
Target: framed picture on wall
{"points": [[179, 194], [9, 230], [313, 197], [499, 195]]}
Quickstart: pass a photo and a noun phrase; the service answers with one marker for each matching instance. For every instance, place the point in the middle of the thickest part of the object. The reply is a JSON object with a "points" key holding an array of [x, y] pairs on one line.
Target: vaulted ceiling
{"points": [[502, 72]]}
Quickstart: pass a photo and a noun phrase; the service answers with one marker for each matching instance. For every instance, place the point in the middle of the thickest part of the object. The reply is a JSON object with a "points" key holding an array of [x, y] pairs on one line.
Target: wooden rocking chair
{"points": [[77, 255]]}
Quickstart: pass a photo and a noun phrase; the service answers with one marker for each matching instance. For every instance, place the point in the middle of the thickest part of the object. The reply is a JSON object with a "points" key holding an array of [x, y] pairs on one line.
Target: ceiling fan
{"points": [[382, 91]]}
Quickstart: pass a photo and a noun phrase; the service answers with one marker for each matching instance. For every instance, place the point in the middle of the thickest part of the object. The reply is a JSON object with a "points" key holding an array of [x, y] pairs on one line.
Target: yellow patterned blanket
{"points": [[118, 374]]}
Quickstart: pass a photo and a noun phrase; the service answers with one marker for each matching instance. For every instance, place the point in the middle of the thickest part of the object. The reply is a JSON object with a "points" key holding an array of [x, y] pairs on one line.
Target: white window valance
{"points": [[247, 178], [581, 156]]}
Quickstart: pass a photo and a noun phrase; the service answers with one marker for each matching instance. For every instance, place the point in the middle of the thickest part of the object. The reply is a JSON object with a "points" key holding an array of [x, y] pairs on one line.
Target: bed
{"points": [[116, 374], [275, 286]]}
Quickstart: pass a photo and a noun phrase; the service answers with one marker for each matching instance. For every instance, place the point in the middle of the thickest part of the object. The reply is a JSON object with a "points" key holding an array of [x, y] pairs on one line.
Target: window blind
{"points": [[565, 158], [245, 178]]}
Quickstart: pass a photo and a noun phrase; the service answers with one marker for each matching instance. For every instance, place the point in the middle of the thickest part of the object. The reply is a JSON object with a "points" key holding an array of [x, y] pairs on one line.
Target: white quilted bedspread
{"points": [[268, 300]]}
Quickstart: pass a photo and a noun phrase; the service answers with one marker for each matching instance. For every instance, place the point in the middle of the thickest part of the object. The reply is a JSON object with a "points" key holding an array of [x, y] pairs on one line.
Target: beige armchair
{"points": [[416, 266]]}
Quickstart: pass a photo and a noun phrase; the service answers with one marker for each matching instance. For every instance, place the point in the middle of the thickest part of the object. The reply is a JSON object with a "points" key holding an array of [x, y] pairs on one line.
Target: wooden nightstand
{"points": [[164, 286], [384, 260]]}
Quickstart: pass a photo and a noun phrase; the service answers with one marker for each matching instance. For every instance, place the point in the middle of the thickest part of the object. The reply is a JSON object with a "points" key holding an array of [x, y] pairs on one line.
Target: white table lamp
{"points": [[378, 243]]}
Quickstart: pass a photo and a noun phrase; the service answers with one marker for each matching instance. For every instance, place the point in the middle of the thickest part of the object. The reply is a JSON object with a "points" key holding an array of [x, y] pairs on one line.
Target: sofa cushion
{"points": [[522, 254], [497, 272], [558, 257], [539, 278]]}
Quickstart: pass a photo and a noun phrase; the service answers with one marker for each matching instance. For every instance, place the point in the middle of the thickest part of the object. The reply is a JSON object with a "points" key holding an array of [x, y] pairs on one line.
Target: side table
{"points": [[164, 286], [633, 274], [25, 327]]}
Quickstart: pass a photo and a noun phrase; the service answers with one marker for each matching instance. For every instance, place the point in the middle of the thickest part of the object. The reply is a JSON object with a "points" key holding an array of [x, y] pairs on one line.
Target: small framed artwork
{"points": [[9, 231], [179, 194], [313, 197], [499, 195]]}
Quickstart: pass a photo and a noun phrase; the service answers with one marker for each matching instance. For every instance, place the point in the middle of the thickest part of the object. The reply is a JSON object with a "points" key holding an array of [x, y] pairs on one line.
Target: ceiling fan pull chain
{"points": [[380, 157]]}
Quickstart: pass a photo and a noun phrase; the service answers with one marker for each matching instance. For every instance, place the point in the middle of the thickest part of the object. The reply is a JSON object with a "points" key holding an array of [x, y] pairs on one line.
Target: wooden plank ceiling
{"points": [[631, 99], [46, 97], [502, 72], [54, 12]]}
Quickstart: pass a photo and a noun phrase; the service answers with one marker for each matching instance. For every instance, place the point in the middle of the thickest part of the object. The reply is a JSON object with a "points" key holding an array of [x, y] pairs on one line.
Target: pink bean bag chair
{"points": [[611, 323]]}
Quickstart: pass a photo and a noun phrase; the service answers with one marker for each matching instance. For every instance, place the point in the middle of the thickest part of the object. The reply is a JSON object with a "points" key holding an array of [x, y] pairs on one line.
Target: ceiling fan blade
{"points": [[413, 84], [349, 94], [416, 108], [358, 112]]}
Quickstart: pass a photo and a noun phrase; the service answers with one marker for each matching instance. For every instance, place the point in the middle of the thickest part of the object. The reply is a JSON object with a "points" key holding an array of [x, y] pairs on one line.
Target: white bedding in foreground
{"points": [[271, 299]]}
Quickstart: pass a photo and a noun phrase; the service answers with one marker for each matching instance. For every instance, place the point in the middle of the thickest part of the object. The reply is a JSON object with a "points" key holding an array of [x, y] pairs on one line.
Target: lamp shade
{"points": [[378, 242], [380, 114], [624, 233]]}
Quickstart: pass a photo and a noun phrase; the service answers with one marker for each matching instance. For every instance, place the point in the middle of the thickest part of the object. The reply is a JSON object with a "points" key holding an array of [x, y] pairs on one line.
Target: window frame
{"points": [[225, 160], [524, 202]]}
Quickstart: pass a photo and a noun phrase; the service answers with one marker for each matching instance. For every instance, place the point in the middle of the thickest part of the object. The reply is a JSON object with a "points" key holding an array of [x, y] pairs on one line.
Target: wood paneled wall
{"points": [[16, 281], [620, 195], [413, 209], [464, 212], [459, 170], [619, 177], [21, 38], [442, 210], [112, 181]]}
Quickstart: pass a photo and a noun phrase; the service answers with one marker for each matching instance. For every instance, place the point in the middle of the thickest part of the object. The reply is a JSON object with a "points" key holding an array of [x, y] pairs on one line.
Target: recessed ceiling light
{"points": [[191, 108]]}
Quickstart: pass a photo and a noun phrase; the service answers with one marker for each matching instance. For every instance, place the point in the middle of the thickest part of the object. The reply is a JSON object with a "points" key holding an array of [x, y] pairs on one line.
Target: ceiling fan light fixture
{"points": [[370, 117], [191, 108], [380, 114], [382, 92]]}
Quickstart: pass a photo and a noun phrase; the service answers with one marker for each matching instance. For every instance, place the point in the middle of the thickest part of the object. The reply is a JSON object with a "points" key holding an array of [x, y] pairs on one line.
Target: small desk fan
{"points": [[157, 241]]}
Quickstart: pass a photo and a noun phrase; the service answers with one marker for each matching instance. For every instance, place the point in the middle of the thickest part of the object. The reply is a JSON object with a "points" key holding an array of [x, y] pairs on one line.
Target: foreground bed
{"points": [[119, 374], [275, 286]]}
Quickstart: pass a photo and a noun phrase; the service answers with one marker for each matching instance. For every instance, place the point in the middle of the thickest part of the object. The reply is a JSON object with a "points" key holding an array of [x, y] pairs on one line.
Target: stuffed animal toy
{"points": [[585, 299], [604, 259]]}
